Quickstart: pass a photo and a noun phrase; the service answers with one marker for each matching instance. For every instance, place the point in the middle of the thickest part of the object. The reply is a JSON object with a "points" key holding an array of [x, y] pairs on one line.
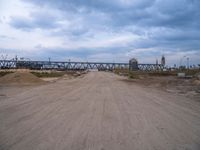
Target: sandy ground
{"points": [[172, 84], [99, 111]]}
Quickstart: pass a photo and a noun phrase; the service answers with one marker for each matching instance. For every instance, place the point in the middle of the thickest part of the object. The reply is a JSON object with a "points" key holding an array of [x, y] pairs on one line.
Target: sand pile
{"points": [[20, 78], [196, 82]]}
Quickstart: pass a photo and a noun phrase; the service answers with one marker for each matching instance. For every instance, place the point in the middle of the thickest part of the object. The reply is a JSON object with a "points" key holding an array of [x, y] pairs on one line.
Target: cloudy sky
{"points": [[101, 30]]}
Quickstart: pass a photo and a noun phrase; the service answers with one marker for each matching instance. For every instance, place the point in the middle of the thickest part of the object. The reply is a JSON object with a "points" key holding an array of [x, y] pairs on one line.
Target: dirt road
{"points": [[99, 111]]}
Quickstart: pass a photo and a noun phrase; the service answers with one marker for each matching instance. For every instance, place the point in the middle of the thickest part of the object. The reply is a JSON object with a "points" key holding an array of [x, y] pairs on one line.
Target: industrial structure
{"points": [[39, 65], [133, 64], [163, 60]]}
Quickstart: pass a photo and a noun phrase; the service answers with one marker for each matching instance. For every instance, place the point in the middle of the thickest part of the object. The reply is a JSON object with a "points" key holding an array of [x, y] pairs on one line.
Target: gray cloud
{"points": [[97, 5], [143, 12], [6, 37], [164, 25], [36, 20]]}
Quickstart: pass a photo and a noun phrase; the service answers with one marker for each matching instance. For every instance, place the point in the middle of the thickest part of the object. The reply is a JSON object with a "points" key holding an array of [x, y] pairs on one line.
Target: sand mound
{"points": [[20, 78], [196, 82]]}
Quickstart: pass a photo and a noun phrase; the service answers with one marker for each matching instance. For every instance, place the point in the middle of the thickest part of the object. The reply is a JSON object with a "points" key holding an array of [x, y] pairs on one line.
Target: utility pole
{"points": [[16, 59], [181, 61], [188, 63]]}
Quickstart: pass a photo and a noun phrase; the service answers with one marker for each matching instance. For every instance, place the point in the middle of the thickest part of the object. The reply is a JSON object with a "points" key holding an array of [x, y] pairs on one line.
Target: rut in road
{"points": [[99, 111]]}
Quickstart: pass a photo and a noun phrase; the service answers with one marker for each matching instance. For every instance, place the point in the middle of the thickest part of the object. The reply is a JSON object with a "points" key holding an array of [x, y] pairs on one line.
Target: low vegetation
{"points": [[192, 71], [3, 73], [138, 74], [48, 74], [130, 74]]}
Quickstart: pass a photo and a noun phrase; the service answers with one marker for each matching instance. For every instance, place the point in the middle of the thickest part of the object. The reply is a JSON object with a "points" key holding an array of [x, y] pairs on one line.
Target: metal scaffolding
{"points": [[39, 65]]}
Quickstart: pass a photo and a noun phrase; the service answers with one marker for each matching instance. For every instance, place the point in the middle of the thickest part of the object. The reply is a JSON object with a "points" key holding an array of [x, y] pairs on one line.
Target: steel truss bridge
{"points": [[39, 65]]}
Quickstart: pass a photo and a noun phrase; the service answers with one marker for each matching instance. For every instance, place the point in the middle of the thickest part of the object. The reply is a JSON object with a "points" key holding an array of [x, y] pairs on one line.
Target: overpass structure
{"points": [[58, 65]]}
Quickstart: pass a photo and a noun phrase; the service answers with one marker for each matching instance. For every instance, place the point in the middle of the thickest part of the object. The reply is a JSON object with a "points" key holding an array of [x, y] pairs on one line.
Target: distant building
{"points": [[133, 64], [163, 60]]}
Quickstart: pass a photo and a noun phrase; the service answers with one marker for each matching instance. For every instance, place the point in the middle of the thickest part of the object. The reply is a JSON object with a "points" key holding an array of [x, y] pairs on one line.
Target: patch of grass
{"points": [[130, 74], [121, 71], [138, 74], [142, 74], [192, 72], [163, 73], [48, 74], [133, 75], [3, 73]]}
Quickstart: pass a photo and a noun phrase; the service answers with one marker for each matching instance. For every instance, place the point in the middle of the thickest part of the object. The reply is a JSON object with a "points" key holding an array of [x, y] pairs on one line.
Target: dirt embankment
{"points": [[172, 84], [25, 76], [167, 81], [20, 78]]}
